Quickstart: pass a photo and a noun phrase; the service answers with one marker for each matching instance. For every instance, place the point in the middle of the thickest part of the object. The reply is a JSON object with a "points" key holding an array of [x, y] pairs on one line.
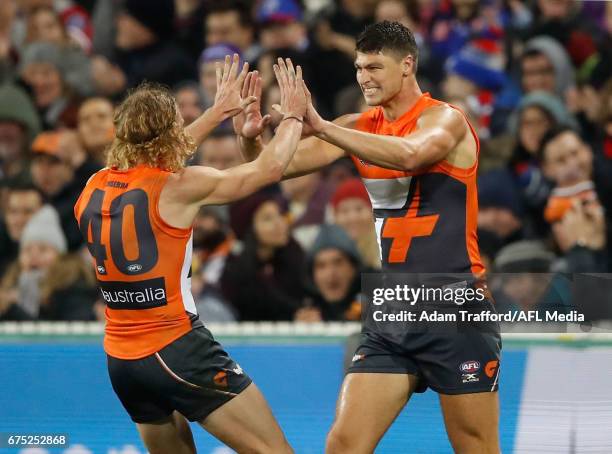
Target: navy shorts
{"points": [[192, 375], [461, 362]]}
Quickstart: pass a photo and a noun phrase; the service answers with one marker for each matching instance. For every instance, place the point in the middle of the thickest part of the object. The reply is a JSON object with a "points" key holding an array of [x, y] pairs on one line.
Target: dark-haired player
{"points": [[417, 157]]}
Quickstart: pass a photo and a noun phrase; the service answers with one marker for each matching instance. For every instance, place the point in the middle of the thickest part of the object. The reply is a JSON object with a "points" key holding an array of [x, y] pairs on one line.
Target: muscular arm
{"points": [[202, 126], [207, 186], [312, 153], [441, 128]]}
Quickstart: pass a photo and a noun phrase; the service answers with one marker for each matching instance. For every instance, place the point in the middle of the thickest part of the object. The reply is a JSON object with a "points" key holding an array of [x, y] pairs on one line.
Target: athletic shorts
{"points": [[461, 362], [193, 375]]}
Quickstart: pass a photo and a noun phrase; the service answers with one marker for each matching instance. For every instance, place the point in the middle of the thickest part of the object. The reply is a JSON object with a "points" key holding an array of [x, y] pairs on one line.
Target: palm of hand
{"points": [[252, 122]]}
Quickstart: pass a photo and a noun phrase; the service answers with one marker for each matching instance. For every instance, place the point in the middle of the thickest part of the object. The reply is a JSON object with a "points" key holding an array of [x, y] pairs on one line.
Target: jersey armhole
{"points": [[158, 186], [461, 172]]}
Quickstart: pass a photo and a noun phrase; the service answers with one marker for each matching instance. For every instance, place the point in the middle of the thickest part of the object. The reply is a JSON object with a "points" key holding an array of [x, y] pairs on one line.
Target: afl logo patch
{"points": [[134, 268], [469, 367]]}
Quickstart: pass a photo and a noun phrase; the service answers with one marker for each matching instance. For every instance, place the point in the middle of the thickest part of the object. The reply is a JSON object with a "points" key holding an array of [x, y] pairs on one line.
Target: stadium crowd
{"points": [[534, 78]]}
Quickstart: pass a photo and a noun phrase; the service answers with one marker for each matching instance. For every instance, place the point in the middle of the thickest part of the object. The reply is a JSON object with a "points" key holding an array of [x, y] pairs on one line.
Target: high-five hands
{"points": [[249, 123], [313, 122], [294, 100], [228, 99]]}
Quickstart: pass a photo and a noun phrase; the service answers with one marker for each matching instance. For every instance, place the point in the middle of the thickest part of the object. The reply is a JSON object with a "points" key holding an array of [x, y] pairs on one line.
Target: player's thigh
{"points": [[367, 405], [246, 424], [472, 422], [171, 434]]}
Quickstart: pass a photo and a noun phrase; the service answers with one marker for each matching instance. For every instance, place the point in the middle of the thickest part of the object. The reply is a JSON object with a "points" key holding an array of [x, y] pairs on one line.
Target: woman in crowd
{"points": [[263, 277]]}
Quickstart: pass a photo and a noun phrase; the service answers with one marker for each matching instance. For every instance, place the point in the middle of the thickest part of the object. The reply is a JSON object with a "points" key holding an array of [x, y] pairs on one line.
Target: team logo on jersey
{"points": [[491, 368], [469, 367]]}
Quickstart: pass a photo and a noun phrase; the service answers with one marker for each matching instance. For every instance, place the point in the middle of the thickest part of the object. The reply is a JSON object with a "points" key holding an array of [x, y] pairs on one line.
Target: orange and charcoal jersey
{"points": [[426, 220], [142, 264]]}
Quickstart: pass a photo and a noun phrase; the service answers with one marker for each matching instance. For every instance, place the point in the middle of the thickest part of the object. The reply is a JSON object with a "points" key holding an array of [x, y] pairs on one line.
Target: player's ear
{"points": [[407, 65]]}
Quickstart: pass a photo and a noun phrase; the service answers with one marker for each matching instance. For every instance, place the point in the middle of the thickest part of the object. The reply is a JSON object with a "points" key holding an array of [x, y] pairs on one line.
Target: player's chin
{"points": [[372, 101]]}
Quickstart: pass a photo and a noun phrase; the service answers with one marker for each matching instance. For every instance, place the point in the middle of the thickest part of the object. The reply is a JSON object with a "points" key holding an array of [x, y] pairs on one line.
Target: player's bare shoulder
{"points": [[464, 151]]}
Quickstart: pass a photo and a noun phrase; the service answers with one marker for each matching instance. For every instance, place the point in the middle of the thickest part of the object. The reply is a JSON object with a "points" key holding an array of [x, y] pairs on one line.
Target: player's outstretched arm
{"points": [[204, 185], [228, 101], [312, 154], [441, 128]]}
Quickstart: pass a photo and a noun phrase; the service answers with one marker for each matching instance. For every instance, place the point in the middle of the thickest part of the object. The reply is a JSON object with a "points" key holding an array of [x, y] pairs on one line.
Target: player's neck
{"points": [[403, 101]]}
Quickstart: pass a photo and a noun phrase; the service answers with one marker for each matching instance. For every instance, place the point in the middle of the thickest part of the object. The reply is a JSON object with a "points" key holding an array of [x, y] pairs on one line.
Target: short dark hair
{"points": [[387, 35], [551, 135], [21, 186], [239, 6]]}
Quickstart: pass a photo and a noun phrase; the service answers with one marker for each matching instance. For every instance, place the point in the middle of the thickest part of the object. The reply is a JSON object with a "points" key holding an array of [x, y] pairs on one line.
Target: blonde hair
{"points": [[149, 130]]}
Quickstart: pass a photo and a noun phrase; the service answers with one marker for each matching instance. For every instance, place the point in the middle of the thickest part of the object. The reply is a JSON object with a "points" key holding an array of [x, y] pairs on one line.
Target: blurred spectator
{"points": [[95, 127], [189, 25], [220, 150], [230, 22], [500, 207], [53, 83], [283, 33], [353, 212], [333, 49], [527, 284], [574, 208], [69, 29], [189, 101], [415, 15], [212, 243], [597, 70], [263, 278], [22, 201], [569, 163], [564, 21], [44, 283], [143, 49], [206, 67], [546, 66], [475, 74], [45, 25], [458, 22], [308, 196], [581, 236], [281, 25], [53, 172], [334, 270], [19, 124], [601, 142], [537, 113]]}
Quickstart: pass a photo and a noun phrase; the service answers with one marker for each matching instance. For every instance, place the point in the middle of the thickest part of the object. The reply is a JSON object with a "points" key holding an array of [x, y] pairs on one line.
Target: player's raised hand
{"points": [[249, 123], [293, 98], [229, 86], [313, 122], [311, 118]]}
